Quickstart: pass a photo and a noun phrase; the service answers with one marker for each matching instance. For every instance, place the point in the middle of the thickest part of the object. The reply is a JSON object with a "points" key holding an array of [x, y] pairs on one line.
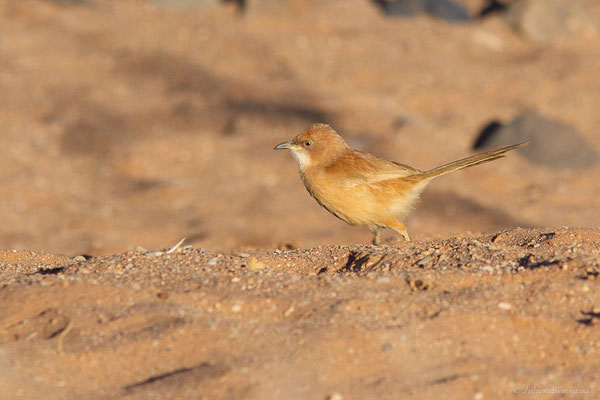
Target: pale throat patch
{"points": [[302, 157]]}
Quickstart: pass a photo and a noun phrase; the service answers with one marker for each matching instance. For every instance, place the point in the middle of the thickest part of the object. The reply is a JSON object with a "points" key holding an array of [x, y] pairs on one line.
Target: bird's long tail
{"points": [[467, 162]]}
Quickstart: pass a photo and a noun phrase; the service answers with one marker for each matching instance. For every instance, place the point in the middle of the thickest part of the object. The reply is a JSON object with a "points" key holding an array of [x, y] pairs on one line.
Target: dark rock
{"points": [[442, 9], [241, 4], [493, 7], [546, 21], [486, 133], [285, 7], [553, 143]]}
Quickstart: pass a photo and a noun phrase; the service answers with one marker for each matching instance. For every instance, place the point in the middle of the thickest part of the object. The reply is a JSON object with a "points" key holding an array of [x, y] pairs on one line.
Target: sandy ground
{"points": [[126, 124], [486, 317]]}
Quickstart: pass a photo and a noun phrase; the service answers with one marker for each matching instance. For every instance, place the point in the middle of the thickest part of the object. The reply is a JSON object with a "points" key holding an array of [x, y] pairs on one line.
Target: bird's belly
{"points": [[368, 205]]}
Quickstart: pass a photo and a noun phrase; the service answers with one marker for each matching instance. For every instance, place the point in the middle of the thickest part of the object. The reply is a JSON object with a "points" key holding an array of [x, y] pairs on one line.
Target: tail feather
{"points": [[468, 162]]}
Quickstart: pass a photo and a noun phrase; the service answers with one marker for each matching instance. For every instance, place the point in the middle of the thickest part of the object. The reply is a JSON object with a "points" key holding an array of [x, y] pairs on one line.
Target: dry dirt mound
{"points": [[481, 317], [125, 123]]}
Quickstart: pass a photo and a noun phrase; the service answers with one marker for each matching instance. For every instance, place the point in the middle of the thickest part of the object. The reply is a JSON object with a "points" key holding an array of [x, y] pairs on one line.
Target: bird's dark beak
{"points": [[284, 145]]}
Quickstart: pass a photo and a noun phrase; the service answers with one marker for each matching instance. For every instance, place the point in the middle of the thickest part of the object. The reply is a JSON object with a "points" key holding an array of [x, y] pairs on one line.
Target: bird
{"points": [[361, 189]]}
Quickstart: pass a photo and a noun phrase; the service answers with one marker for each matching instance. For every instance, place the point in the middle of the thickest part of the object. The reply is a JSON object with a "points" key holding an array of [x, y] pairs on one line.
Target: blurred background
{"points": [[139, 122]]}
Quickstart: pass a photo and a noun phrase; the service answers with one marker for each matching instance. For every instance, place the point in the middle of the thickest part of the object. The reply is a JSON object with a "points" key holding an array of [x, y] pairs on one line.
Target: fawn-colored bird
{"points": [[361, 189]]}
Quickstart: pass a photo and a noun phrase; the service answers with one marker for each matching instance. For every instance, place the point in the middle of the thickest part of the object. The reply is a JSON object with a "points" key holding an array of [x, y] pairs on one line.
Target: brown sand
{"points": [[127, 124]]}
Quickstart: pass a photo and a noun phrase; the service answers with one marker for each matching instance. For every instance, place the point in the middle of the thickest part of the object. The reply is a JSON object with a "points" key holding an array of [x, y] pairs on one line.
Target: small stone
{"points": [[256, 265], [388, 347], [243, 255], [140, 249], [289, 311], [418, 284], [487, 268], [212, 261], [443, 9], [504, 306], [425, 261], [478, 396], [79, 258], [155, 254], [335, 396], [236, 308], [585, 288]]}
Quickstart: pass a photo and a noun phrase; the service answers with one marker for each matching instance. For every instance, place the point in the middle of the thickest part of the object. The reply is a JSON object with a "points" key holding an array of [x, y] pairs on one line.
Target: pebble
{"points": [[443, 9], [162, 296], [487, 268], [256, 265], [236, 308], [585, 288], [289, 311], [504, 306], [425, 261]]}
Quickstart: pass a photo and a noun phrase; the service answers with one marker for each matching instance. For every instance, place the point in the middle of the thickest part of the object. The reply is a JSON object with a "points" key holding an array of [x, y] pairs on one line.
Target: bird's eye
{"points": [[307, 143]]}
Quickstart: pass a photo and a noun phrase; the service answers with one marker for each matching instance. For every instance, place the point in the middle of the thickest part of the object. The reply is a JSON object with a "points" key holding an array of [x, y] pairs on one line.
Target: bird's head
{"points": [[318, 144]]}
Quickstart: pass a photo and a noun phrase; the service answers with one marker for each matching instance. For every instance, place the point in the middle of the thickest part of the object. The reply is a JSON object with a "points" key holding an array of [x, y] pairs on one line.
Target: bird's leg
{"points": [[376, 236], [405, 234], [399, 227]]}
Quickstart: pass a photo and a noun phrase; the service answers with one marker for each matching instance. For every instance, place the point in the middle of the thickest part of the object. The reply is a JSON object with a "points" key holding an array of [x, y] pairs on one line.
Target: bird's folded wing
{"points": [[408, 168], [356, 168], [383, 172]]}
